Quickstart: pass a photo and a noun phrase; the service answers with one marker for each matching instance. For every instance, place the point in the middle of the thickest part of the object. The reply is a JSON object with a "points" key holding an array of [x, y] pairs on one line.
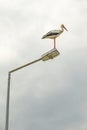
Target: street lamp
{"points": [[47, 56]]}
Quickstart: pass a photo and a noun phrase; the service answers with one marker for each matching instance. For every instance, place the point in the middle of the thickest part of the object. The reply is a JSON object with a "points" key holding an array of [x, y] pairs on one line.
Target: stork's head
{"points": [[63, 27]]}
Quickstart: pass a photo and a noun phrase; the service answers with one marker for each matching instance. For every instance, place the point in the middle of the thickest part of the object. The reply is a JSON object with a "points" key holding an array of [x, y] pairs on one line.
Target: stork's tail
{"points": [[44, 36]]}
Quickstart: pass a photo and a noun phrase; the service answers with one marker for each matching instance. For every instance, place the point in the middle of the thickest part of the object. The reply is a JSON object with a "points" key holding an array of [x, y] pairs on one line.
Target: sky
{"points": [[49, 94]]}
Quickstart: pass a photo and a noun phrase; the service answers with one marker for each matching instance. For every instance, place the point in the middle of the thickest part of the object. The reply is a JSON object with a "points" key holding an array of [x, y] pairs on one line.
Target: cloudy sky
{"points": [[48, 95]]}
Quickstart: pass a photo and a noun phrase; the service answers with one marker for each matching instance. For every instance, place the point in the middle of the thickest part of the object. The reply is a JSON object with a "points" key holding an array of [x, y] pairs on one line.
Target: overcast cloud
{"points": [[48, 95]]}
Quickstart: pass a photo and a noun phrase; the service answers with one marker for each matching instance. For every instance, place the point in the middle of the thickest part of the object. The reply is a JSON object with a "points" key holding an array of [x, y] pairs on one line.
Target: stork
{"points": [[53, 34]]}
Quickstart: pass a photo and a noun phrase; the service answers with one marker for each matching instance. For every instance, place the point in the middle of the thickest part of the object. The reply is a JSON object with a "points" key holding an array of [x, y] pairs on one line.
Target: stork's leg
{"points": [[54, 43]]}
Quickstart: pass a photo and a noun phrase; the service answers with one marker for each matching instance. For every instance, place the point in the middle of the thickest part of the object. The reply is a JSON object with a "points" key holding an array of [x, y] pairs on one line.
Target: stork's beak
{"points": [[65, 28]]}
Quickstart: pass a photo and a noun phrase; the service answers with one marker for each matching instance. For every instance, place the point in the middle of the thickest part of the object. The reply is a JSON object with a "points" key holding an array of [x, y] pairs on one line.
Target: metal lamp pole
{"points": [[49, 55]]}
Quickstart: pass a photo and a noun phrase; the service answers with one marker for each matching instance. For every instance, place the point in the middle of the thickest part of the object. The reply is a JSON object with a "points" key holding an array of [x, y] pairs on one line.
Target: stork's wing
{"points": [[51, 33]]}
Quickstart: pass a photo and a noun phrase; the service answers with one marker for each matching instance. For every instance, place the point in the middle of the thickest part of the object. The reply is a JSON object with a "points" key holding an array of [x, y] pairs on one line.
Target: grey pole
{"points": [[49, 55], [7, 103], [8, 90]]}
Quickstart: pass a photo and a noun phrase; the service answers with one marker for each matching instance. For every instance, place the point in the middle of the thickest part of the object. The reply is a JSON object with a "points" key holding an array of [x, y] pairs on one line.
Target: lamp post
{"points": [[48, 55]]}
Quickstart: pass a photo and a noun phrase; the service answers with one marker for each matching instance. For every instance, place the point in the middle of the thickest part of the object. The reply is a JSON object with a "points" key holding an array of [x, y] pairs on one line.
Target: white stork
{"points": [[53, 34]]}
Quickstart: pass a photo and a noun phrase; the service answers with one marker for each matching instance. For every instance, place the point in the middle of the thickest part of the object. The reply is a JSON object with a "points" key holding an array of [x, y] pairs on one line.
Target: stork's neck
{"points": [[62, 28]]}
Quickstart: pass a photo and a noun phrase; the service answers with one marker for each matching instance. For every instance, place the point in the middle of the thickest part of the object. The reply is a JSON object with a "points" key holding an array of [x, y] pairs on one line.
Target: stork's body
{"points": [[53, 34]]}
